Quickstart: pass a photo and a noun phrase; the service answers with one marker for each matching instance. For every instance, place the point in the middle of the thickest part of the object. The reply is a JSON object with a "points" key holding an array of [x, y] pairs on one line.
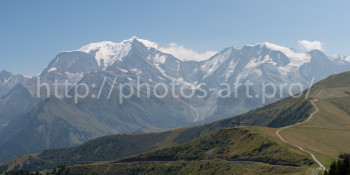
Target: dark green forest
{"points": [[341, 166]]}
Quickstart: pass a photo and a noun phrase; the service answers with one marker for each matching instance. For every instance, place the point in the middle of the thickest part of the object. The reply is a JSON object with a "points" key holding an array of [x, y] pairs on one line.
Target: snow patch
{"points": [[5, 80], [123, 70], [52, 69], [160, 58], [231, 69], [148, 44], [136, 70], [296, 57]]}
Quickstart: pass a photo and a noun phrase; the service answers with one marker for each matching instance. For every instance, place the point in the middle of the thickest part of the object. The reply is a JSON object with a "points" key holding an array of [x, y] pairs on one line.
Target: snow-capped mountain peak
{"points": [[148, 44], [296, 58], [108, 52]]}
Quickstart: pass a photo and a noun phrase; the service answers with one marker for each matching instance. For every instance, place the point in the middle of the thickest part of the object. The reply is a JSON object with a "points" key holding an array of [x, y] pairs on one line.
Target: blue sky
{"points": [[33, 32]]}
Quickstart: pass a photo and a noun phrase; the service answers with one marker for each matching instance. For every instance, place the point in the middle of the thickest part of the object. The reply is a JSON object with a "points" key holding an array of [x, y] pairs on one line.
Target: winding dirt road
{"points": [[322, 167]]}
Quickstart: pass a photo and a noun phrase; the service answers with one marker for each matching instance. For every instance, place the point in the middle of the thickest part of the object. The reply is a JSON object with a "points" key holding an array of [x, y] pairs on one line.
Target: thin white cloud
{"points": [[185, 54], [310, 45]]}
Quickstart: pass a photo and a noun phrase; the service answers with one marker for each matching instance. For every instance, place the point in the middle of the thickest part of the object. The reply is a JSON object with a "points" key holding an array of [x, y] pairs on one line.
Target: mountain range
{"points": [[60, 122], [223, 146]]}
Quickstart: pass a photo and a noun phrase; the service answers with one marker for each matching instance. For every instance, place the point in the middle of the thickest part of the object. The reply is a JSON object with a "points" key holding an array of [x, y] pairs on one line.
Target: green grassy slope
{"points": [[282, 113], [228, 144], [231, 150], [184, 167], [327, 134]]}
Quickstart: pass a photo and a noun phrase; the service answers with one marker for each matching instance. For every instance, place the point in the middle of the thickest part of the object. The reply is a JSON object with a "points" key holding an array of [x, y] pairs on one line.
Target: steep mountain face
{"points": [[70, 66], [51, 124], [15, 103], [320, 66], [166, 112], [150, 66], [258, 63], [263, 64], [268, 63], [8, 81]]}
